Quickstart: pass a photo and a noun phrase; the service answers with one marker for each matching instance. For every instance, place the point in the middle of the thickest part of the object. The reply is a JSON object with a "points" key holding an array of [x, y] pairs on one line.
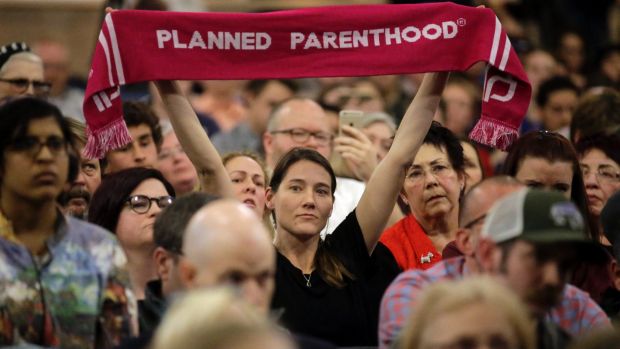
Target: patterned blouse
{"points": [[76, 295]]}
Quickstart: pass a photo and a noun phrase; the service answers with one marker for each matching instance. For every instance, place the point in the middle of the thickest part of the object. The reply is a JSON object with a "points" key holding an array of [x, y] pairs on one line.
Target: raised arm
{"points": [[194, 140], [378, 200]]}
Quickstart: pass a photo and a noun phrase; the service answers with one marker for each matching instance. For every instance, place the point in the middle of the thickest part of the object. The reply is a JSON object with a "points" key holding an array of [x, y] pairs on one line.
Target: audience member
{"points": [[599, 157], [261, 97], [223, 322], [571, 54], [174, 163], [21, 72], [56, 60], [525, 241], [547, 160], [76, 197], [146, 140], [127, 203], [468, 313], [215, 252], [331, 289], [432, 189], [462, 98], [556, 100], [364, 95], [380, 129], [472, 164], [608, 68], [168, 232], [61, 278], [611, 227], [248, 175], [300, 122], [596, 113]]}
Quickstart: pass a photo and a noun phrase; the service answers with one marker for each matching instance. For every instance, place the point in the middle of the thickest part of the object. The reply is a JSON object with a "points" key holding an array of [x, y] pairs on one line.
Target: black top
{"points": [[152, 308], [345, 316]]}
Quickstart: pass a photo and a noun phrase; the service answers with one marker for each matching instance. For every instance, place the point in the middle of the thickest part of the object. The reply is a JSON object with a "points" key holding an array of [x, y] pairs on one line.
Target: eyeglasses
{"points": [[417, 173], [300, 135], [32, 145], [166, 154], [142, 204], [603, 173], [40, 88]]}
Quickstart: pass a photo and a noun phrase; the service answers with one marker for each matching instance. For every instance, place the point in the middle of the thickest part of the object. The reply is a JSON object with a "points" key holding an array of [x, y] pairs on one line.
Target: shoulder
{"points": [[97, 241]]}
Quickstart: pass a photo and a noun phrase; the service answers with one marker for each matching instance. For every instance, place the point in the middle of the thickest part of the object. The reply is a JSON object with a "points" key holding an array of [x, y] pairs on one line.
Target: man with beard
{"points": [[75, 198], [528, 240]]}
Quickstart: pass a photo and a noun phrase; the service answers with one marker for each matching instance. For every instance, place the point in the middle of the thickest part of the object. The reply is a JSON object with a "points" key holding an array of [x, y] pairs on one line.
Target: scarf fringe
{"points": [[113, 136], [489, 132]]}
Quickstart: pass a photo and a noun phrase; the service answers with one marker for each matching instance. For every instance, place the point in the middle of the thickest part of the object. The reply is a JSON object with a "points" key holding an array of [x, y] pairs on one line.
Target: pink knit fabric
{"points": [[138, 46]]}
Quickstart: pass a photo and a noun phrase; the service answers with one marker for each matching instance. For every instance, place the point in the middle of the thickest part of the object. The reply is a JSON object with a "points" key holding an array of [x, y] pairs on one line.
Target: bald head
{"points": [[226, 244], [302, 114], [483, 195]]}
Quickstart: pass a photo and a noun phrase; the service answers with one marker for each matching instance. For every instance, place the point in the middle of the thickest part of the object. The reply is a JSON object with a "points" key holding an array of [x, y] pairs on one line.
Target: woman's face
{"points": [[248, 181], [432, 187], [478, 324], [473, 170], [304, 201], [380, 135], [135, 230], [600, 176], [176, 166], [539, 173]]}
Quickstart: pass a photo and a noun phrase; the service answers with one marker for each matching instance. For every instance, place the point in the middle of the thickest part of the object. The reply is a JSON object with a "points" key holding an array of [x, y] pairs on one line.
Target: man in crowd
{"points": [[63, 282], [56, 60], [145, 132], [557, 99], [225, 243], [168, 233], [261, 96], [520, 252], [76, 198]]}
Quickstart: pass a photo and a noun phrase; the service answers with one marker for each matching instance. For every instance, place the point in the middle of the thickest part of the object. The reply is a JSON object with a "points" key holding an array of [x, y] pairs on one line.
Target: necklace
{"points": [[308, 284]]}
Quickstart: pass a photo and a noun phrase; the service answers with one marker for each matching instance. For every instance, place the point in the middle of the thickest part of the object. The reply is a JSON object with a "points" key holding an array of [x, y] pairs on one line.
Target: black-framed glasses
{"points": [[142, 204], [40, 88], [300, 135], [33, 145]]}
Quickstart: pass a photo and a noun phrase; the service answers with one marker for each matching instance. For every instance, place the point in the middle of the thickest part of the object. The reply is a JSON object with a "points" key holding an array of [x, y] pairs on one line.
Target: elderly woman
{"points": [[599, 157], [431, 189], [127, 203], [472, 313]]}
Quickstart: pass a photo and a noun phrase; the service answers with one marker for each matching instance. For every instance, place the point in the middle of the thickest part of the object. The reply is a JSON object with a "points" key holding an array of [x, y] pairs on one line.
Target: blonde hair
{"points": [[449, 296], [209, 319], [226, 158]]}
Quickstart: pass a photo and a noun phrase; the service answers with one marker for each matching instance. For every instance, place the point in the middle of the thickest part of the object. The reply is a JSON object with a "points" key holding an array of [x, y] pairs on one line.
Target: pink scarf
{"points": [[138, 46]]}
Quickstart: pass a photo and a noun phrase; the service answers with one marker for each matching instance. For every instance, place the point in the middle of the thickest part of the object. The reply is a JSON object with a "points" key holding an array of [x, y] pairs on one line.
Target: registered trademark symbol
{"points": [[461, 21]]}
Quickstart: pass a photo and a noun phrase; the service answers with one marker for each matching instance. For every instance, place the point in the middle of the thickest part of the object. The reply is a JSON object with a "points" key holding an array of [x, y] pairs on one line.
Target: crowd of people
{"points": [[244, 214]]}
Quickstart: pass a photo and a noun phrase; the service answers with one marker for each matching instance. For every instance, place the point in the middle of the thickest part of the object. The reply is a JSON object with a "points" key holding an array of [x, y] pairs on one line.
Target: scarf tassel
{"points": [[493, 133], [113, 136]]}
